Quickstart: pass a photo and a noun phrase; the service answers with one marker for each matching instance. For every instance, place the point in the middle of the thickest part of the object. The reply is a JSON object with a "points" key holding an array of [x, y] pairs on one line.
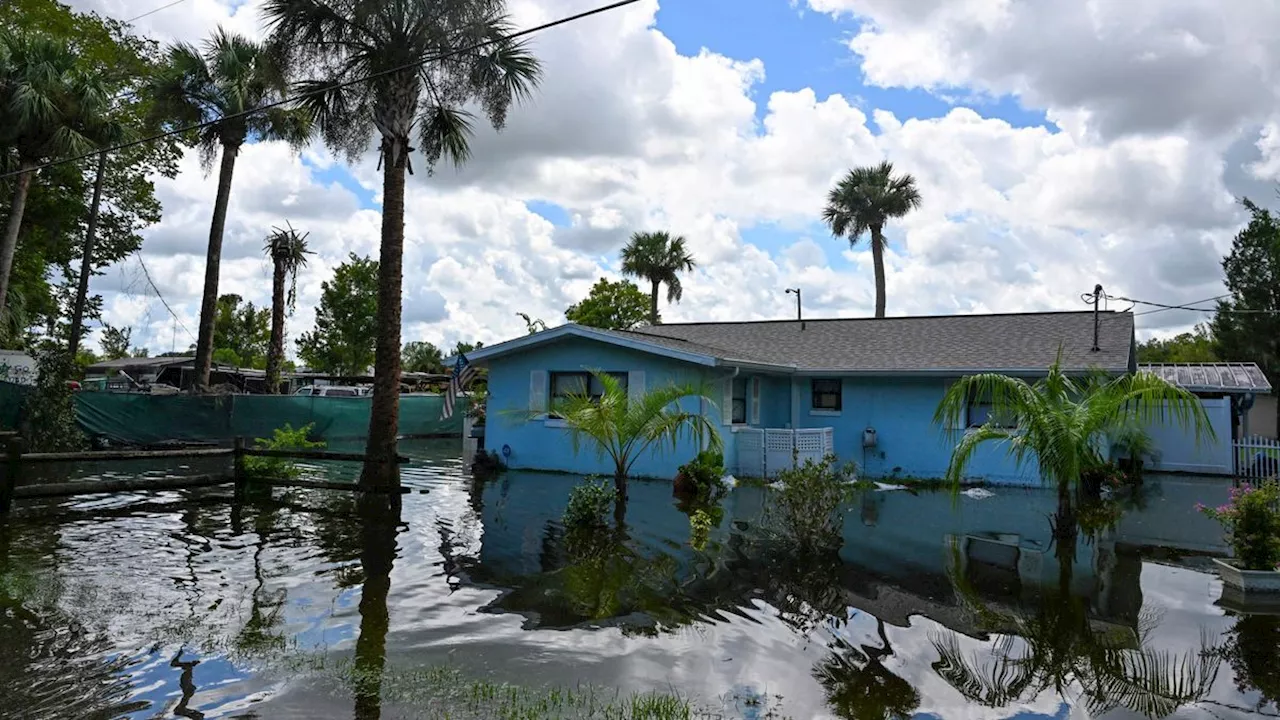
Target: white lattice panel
{"points": [[750, 445]]}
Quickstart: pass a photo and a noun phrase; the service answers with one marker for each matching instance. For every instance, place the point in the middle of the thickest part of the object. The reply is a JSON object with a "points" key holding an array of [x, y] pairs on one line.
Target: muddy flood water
{"points": [[290, 605]]}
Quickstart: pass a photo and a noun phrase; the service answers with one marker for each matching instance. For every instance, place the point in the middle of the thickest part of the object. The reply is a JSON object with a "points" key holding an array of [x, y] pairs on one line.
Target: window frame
{"points": [[814, 393], [622, 377], [738, 402], [974, 403]]}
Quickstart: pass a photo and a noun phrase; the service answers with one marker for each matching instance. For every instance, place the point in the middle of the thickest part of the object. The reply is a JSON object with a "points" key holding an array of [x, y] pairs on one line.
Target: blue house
{"points": [[865, 389]]}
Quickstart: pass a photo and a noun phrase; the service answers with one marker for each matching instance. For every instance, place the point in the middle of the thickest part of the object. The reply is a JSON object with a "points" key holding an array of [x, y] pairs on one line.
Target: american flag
{"points": [[462, 375]]}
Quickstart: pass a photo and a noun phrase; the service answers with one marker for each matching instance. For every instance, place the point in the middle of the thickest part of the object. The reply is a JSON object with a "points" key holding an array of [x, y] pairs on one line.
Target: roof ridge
{"points": [[896, 317]]}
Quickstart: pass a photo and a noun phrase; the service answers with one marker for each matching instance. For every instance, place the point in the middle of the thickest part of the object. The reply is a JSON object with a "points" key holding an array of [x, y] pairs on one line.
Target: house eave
{"points": [[915, 372], [487, 354]]}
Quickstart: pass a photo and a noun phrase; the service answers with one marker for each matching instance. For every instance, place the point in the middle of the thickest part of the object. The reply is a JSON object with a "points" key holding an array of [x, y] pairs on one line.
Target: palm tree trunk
{"points": [[209, 302], [86, 257], [275, 353], [10, 242], [380, 469], [653, 303], [877, 256]]}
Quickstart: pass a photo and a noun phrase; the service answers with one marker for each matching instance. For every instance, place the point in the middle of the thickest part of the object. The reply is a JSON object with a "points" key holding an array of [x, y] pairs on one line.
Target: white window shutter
{"points": [[635, 386], [538, 391], [726, 407], [755, 401]]}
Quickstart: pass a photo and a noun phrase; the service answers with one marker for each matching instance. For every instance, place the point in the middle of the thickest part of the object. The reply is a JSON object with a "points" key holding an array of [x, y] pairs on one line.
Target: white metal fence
{"points": [[1256, 457], [765, 452]]}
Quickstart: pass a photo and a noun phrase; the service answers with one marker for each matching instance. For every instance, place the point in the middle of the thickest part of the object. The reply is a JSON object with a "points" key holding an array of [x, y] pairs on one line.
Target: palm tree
{"points": [[862, 202], [400, 47], [623, 428], [227, 82], [658, 258], [288, 251], [48, 104], [1061, 422]]}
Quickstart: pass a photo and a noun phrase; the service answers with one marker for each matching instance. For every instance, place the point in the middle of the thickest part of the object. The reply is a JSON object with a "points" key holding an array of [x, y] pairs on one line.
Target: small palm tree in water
{"points": [[624, 428]]}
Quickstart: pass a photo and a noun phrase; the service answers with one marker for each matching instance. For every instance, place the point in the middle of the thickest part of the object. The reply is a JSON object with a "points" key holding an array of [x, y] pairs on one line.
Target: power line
{"points": [[162, 300], [1181, 307], [329, 88], [153, 11], [1088, 299]]}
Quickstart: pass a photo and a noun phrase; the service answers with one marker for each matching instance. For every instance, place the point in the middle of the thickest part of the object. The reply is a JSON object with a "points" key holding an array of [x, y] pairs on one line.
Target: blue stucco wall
{"points": [[540, 445], [909, 444]]}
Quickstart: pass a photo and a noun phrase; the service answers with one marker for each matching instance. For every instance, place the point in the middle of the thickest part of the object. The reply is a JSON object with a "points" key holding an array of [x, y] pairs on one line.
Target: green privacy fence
{"points": [[149, 419]]}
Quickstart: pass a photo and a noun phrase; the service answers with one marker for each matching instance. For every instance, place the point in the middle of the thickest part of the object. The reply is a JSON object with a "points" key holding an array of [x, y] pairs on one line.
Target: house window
{"points": [[564, 384], [739, 401], [827, 394], [981, 412]]}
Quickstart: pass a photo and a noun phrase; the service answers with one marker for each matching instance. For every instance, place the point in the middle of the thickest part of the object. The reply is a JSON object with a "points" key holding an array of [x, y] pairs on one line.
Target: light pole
{"points": [[797, 292]]}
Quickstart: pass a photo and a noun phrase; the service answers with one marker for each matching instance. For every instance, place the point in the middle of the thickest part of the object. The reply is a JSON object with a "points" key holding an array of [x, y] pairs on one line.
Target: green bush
{"points": [[1252, 522], [282, 438], [589, 504], [805, 507], [701, 479], [49, 412]]}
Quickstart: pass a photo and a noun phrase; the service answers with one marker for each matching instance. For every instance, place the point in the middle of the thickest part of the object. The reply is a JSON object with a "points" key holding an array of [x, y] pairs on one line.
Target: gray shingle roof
{"points": [[913, 344]]}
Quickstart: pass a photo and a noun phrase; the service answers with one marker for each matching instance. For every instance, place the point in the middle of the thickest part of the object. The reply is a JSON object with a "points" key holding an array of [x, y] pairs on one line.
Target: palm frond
{"points": [[446, 133], [996, 683]]}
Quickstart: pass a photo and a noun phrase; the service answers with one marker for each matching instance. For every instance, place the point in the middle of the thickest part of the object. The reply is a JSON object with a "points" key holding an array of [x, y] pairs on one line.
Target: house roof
{"points": [[1214, 377], [941, 344], [1010, 342], [132, 362]]}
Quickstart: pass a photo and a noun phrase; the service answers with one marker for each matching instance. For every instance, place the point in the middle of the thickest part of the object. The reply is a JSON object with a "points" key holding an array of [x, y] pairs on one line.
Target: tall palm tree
{"points": [[658, 258], [862, 202], [225, 82], [288, 251], [48, 104], [399, 47]]}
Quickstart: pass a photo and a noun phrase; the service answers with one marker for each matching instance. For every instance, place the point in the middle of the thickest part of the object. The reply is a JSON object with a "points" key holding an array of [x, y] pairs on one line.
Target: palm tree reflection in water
{"points": [[379, 523]]}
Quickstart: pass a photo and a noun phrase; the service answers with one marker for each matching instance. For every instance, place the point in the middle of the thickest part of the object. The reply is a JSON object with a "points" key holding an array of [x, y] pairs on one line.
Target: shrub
{"points": [[49, 410], [701, 479], [282, 438], [700, 524], [1252, 522], [589, 504], [805, 508]]}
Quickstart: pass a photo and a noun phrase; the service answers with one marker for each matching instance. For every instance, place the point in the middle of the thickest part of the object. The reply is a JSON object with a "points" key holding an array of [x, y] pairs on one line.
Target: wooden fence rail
{"points": [[14, 459]]}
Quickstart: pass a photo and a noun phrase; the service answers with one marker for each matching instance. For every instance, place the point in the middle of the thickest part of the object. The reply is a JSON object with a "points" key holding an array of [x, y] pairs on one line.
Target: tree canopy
{"points": [[422, 357], [241, 333], [1252, 271], [1198, 346], [611, 305], [659, 258], [346, 330]]}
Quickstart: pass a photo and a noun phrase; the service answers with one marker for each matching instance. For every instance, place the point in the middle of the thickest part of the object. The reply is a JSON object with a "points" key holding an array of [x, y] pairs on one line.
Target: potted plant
{"points": [[1252, 523]]}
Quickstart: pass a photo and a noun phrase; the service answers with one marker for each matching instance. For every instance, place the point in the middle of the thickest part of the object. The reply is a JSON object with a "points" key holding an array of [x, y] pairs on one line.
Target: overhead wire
{"points": [[161, 296], [153, 11], [329, 88], [1088, 299]]}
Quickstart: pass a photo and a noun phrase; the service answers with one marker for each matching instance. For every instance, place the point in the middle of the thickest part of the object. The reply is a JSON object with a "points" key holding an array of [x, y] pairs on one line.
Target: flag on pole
{"points": [[462, 375]]}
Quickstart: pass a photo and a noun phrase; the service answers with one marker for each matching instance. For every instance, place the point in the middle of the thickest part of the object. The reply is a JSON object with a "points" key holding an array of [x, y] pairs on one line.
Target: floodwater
{"points": [[296, 605]]}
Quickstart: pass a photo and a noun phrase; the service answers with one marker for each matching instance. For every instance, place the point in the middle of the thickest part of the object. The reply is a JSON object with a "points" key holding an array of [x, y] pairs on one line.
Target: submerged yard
{"points": [[478, 604]]}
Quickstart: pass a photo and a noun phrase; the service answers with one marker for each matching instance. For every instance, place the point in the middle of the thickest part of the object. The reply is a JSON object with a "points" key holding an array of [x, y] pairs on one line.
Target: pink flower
{"points": [[1200, 507]]}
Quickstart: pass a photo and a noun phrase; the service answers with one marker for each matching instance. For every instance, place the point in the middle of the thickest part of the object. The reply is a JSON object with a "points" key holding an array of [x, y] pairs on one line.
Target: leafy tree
{"points": [[658, 258], [462, 348], [230, 75], [1061, 422], [397, 47], [288, 251], [1197, 346], [346, 331], [422, 357], [241, 332], [49, 103], [1252, 271], [623, 428], [612, 306], [862, 202], [115, 342]]}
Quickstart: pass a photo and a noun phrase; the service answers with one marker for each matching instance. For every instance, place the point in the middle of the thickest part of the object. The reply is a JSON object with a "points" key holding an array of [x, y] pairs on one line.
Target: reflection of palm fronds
{"points": [[1154, 683], [995, 683]]}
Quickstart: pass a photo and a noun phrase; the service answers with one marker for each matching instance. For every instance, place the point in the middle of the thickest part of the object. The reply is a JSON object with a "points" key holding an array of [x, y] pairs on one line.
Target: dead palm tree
{"points": [[862, 202], [228, 82], [658, 258], [288, 251], [426, 63], [48, 106]]}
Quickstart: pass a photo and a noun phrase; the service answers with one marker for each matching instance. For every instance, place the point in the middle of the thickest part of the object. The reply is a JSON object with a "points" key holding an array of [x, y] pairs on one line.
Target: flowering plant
{"points": [[1252, 522]]}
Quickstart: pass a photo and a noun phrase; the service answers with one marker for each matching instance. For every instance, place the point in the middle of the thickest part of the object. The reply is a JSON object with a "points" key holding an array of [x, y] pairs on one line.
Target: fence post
{"points": [[238, 472], [9, 473]]}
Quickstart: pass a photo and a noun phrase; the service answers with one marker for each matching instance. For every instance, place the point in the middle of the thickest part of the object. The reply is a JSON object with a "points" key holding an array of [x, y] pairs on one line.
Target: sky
{"points": [[1056, 146]]}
